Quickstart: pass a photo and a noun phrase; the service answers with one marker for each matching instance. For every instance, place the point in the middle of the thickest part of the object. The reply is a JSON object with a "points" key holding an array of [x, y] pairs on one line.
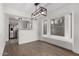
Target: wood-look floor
{"points": [[37, 48]]}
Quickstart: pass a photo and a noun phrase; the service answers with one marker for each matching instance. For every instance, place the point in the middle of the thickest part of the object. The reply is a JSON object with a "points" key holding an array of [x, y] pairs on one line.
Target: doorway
{"points": [[13, 30]]}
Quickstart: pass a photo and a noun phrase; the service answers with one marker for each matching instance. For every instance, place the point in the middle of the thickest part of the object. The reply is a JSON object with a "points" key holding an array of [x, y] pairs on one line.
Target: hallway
{"points": [[36, 48]]}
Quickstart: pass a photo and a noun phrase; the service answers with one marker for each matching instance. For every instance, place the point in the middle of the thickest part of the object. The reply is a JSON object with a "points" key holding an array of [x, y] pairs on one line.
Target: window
{"points": [[45, 27], [57, 26]]}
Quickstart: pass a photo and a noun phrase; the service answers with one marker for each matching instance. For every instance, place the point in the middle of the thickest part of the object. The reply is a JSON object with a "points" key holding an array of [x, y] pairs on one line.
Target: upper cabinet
{"points": [[25, 24]]}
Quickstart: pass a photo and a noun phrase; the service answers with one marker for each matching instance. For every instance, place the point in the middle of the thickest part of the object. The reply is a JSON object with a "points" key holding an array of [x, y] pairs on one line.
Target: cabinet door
{"points": [[25, 24]]}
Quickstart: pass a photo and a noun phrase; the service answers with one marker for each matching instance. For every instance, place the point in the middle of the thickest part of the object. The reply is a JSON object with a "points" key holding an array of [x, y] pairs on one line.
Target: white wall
{"points": [[76, 29], [10, 12], [7, 27], [32, 35], [65, 42], [2, 30], [74, 42], [26, 36]]}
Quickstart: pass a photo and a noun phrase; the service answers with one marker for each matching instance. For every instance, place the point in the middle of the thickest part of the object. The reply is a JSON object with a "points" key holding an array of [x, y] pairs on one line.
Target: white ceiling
{"points": [[19, 6], [28, 8]]}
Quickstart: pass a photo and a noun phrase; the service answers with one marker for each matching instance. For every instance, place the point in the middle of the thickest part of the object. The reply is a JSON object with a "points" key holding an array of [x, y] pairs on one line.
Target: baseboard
{"points": [[27, 41], [65, 45], [75, 51], [2, 49]]}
